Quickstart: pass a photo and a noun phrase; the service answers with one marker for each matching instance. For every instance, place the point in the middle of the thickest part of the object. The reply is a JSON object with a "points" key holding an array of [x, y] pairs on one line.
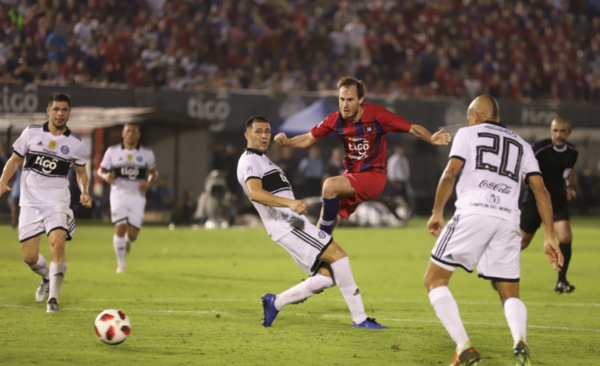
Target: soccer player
{"points": [[557, 159], [484, 229], [362, 129], [46, 153], [130, 169], [313, 250]]}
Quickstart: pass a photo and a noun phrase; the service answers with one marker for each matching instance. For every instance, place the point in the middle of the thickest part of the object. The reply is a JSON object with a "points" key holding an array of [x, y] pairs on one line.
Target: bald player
{"points": [[484, 230], [556, 158]]}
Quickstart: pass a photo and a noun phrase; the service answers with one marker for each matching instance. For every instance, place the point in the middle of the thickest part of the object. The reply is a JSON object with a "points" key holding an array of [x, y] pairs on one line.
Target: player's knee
{"points": [[330, 189], [565, 238], [120, 230], [132, 236], [30, 260]]}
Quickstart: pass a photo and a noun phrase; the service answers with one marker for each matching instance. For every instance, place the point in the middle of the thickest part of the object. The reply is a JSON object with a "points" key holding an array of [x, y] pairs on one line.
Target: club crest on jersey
{"points": [[52, 145], [322, 234], [65, 149], [129, 157], [369, 129], [139, 159]]}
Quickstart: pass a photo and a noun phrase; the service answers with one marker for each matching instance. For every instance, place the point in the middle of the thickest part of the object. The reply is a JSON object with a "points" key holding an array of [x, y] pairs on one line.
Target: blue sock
{"points": [[330, 210]]}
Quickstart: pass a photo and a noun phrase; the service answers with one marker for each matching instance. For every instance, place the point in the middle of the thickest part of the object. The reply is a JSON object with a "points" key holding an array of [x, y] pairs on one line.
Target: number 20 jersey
{"points": [[495, 161], [129, 167], [47, 161]]}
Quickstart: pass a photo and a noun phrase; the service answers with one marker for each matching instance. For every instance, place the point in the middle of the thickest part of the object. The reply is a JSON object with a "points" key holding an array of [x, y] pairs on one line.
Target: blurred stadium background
{"points": [[191, 72]]}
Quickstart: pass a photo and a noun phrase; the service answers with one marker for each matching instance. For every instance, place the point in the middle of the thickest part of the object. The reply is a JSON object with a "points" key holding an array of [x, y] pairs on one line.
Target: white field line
{"points": [[300, 314]]}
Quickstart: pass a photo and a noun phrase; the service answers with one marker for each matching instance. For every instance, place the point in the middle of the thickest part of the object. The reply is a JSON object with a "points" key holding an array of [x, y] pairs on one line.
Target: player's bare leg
{"points": [[30, 250], [58, 268], [565, 237], [333, 188], [527, 237], [436, 282], [120, 246], [131, 236], [516, 316]]}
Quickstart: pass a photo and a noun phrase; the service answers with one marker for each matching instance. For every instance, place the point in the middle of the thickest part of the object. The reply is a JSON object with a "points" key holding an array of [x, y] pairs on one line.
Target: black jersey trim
{"points": [[45, 175], [252, 177], [137, 147], [498, 279], [531, 174], [308, 237], [495, 123], [281, 190], [458, 157], [34, 152], [253, 151], [114, 222], [306, 241], [274, 181], [66, 133], [32, 236], [79, 164], [451, 264], [16, 152]]}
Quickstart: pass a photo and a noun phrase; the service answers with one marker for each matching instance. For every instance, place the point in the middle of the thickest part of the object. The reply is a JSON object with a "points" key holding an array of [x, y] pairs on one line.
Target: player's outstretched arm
{"points": [[544, 206], [444, 190], [106, 175], [10, 168], [258, 194], [572, 186], [83, 183], [438, 138], [298, 142]]}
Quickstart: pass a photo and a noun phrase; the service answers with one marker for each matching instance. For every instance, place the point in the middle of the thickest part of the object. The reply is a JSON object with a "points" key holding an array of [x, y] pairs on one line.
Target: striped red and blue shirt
{"points": [[364, 141]]}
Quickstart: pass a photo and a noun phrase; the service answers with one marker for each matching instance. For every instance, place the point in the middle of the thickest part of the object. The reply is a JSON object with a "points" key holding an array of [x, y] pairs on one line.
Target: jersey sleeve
{"points": [[20, 146], [530, 163], [151, 160], [79, 156], [252, 168], [106, 163], [327, 125], [460, 148], [391, 122]]}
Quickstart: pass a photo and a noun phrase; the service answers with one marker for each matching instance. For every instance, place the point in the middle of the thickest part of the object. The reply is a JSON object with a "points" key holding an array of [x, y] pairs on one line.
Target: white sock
{"points": [[41, 267], [447, 310], [119, 244], [57, 276], [303, 290], [516, 316], [345, 281]]}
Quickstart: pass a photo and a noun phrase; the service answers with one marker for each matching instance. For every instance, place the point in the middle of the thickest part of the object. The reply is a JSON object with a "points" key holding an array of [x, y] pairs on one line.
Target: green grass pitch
{"points": [[193, 298]]}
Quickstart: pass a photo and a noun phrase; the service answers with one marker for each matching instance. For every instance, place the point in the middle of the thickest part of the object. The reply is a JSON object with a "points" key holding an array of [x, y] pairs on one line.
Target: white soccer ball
{"points": [[112, 326]]}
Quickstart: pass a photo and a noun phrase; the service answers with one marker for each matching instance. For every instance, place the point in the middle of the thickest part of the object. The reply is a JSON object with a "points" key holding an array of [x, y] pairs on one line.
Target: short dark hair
{"points": [[349, 81], [134, 124], [59, 97], [255, 118]]}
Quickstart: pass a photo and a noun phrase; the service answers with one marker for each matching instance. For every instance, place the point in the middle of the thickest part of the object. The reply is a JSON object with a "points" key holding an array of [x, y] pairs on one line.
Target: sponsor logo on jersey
{"points": [[249, 170], [52, 145], [40, 144], [129, 157], [130, 172], [47, 165], [496, 187], [359, 146], [65, 149]]}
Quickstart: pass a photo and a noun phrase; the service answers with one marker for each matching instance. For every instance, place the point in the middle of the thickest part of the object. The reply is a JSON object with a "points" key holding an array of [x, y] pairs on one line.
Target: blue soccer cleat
{"points": [[370, 323], [269, 310]]}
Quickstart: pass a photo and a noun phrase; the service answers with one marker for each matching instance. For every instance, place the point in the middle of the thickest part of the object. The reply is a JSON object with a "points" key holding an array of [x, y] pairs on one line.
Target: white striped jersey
{"points": [[495, 160], [47, 160], [129, 167], [277, 220]]}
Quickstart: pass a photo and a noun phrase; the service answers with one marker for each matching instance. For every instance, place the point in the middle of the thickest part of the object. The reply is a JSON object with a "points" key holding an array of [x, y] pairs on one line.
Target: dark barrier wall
{"points": [[228, 111]]}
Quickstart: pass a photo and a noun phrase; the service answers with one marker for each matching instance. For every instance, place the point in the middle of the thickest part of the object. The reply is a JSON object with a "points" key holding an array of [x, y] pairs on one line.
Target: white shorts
{"points": [[491, 243], [306, 245], [34, 221], [127, 208]]}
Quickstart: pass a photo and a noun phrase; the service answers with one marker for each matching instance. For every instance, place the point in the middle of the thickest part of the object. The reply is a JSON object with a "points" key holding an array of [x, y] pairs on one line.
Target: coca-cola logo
{"points": [[496, 187]]}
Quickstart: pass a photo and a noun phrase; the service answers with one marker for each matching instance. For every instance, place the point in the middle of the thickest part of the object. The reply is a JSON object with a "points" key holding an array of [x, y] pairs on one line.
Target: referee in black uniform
{"points": [[556, 158]]}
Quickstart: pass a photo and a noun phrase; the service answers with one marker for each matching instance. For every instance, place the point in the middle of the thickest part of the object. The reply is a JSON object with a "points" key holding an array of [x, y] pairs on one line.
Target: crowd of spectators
{"points": [[521, 50]]}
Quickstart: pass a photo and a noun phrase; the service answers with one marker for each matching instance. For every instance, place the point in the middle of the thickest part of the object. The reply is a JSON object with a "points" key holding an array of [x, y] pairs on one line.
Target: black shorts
{"points": [[530, 217]]}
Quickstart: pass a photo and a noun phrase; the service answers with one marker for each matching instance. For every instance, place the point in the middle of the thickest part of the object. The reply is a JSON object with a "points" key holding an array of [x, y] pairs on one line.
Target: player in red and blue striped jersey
{"points": [[362, 129]]}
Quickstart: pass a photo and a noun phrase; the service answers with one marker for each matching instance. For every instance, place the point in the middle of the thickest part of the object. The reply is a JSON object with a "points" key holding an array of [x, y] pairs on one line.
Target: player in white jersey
{"points": [[130, 169], [314, 251], [46, 153], [484, 230]]}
